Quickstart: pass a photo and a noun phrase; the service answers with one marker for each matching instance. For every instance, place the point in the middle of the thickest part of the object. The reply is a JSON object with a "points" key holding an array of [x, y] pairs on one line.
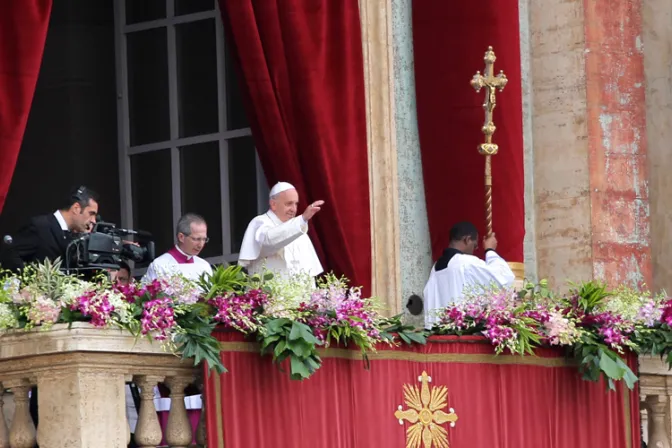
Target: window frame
{"points": [[125, 150]]}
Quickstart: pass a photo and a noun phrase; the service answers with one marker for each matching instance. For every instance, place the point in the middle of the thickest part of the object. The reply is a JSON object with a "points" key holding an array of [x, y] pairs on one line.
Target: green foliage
{"points": [[596, 359], [224, 279], [285, 338], [591, 295], [393, 328]]}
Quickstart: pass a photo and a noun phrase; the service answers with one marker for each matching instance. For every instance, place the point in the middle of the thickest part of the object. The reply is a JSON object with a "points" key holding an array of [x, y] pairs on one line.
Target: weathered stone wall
{"points": [[560, 138], [657, 41]]}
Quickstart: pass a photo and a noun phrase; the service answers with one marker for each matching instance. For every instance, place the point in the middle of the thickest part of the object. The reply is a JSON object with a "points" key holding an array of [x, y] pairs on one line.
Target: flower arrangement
{"points": [[290, 316], [594, 324]]}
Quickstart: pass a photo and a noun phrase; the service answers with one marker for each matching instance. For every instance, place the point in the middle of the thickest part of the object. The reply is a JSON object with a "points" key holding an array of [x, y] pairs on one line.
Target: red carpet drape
{"points": [[500, 401], [23, 30], [302, 74], [449, 41]]}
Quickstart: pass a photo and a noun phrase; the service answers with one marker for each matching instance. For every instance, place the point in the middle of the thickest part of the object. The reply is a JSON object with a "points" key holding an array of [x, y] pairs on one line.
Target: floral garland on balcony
{"points": [[292, 317]]}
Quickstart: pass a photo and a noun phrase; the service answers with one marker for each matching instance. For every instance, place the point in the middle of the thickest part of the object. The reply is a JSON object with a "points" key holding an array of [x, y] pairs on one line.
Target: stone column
{"points": [[81, 408], [399, 229], [590, 148], [382, 149]]}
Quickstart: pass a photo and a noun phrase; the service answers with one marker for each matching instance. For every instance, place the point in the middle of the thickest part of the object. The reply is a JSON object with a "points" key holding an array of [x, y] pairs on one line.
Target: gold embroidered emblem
{"points": [[425, 414]]}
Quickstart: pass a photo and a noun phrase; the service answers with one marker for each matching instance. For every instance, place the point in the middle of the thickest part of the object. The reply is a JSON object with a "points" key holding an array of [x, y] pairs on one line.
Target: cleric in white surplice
{"points": [[278, 240], [458, 268]]}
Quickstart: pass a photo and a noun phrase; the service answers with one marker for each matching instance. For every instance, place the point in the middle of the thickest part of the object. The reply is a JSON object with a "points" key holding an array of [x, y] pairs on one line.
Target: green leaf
{"points": [[610, 367], [279, 348], [298, 369]]}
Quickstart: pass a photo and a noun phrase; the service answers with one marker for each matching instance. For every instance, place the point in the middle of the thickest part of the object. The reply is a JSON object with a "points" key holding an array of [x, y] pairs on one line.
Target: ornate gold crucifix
{"points": [[489, 149]]}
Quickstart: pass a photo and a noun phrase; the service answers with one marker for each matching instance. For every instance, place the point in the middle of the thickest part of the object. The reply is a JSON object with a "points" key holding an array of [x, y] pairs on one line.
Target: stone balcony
{"points": [[656, 408], [81, 374]]}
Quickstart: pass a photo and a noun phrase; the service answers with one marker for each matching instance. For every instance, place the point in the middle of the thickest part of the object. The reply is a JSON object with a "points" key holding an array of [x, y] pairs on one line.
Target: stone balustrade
{"points": [[655, 389], [81, 374]]}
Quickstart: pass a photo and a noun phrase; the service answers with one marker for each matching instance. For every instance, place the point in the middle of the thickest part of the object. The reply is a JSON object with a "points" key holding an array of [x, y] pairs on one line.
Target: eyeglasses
{"points": [[199, 240]]}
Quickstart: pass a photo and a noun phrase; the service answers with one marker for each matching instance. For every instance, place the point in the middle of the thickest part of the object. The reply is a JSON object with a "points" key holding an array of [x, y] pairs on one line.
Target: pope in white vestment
{"points": [[191, 235], [458, 269], [278, 240]]}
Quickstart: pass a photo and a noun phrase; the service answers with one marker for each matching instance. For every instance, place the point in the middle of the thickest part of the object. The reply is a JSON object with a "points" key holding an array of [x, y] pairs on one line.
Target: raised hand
{"points": [[312, 209], [490, 242]]}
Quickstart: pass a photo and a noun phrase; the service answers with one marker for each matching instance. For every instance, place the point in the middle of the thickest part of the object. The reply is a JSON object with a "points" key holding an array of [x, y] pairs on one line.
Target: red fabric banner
{"points": [[497, 401], [449, 40], [302, 73], [23, 30]]}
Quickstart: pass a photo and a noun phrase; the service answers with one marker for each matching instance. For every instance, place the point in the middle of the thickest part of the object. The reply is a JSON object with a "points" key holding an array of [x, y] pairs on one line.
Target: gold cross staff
{"points": [[488, 149]]}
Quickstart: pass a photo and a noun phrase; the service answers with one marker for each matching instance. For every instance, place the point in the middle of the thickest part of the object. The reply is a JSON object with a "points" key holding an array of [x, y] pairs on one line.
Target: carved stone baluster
{"points": [[657, 405], [200, 429], [4, 432], [178, 429], [148, 430], [22, 433], [644, 419]]}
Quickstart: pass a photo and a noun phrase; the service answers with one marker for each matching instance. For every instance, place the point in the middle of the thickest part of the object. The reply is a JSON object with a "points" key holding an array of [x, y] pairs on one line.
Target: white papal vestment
{"points": [[175, 261], [445, 286], [282, 248]]}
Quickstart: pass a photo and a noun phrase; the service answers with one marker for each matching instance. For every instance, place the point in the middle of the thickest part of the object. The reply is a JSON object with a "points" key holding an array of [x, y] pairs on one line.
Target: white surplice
{"points": [[445, 287], [282, 248], [167, 265]]}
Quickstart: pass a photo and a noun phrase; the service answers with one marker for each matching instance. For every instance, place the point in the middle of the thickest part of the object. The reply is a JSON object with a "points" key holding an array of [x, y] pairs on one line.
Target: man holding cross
{"points": [[458, 268]]}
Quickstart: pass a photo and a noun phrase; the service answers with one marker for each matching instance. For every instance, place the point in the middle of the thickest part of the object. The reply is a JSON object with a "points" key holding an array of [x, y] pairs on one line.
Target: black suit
{"points": [[41, 239]]}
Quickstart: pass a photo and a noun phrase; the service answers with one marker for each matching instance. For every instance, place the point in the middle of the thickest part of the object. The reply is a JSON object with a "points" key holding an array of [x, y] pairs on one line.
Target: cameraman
{"points": [[47, 236]]}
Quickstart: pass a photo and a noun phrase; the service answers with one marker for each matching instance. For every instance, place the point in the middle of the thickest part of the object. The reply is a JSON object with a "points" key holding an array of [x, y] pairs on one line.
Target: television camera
{"points": [[105, 247]]}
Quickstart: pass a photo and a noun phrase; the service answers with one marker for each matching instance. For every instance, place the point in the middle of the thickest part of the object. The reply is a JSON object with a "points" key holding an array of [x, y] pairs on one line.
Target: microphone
{"points": [[8, 240]]}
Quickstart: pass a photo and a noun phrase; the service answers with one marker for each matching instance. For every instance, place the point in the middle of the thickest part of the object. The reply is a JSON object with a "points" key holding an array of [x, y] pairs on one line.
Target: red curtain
{"points": [[302, 74], [23, 30], [449, 40], [500, 402]]}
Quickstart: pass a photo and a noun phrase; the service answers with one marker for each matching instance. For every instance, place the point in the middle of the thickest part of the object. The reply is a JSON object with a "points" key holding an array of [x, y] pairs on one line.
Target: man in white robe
{"points": [[277, 240], [458, 268], [191, 235]]}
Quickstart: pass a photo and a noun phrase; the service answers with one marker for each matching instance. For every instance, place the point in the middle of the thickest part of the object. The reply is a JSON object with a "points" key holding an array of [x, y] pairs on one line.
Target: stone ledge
{"points": [[85, 348], [80, 337]]}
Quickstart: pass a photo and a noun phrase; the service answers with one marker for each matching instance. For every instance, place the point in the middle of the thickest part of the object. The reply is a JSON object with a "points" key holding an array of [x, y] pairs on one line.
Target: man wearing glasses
{"points": [[191, 235]]}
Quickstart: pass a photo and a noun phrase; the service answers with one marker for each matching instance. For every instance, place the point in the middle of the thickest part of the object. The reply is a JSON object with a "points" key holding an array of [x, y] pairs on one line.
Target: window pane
{"points": [[148, 86], [144, 10], [197, 77], [242, 188], [191, 6], [201, 192], [152, 197], [235, 112]]}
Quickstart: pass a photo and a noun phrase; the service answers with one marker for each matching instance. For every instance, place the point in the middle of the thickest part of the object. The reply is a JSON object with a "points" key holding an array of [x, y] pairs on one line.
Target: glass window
{"points": [[183, 7], [197, 77], [200, 190], [152, 197], [144, 10], [148, 110], [242, 188], [177, 68]]}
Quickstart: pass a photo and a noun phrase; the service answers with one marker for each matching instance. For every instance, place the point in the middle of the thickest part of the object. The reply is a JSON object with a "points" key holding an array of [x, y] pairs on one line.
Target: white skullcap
{"points": [[280, 187]]}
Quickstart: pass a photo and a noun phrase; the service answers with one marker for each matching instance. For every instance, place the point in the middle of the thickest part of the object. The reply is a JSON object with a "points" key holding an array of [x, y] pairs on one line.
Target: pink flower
{"points": [[94, 305], [157, 316]]}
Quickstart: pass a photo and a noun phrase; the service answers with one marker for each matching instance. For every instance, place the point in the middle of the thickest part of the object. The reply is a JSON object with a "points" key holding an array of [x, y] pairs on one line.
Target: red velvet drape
{"points": [[302, 73], [449, 41], [23, 30], [501, 402]]}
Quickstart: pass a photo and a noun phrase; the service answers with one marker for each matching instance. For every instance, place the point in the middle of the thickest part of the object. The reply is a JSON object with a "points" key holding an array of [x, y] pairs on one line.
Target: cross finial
{"points": [[491, 83]]}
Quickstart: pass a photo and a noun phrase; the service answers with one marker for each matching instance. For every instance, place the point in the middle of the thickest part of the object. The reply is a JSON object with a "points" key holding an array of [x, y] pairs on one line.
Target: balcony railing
{"points": [[81, 374]]}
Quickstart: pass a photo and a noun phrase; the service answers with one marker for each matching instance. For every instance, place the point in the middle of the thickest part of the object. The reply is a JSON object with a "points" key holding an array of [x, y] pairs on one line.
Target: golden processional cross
{"points": [[489, 149]]}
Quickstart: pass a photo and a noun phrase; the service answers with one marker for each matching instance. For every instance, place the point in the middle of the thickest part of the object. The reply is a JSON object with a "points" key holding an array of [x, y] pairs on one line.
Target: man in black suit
{"points": [[47, 236]]}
